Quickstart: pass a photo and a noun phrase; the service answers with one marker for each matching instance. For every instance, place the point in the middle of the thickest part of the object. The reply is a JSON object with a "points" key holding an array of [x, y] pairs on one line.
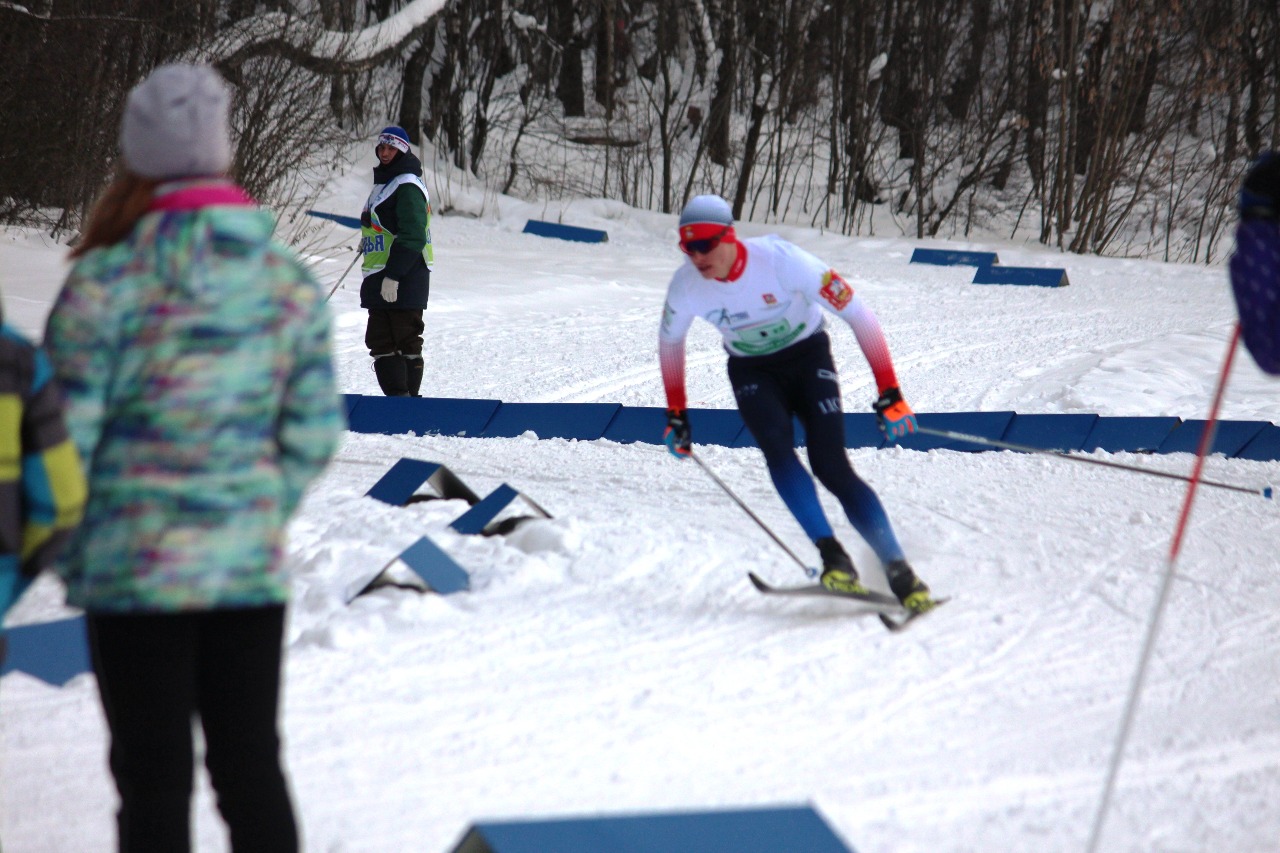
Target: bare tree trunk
{"points": [[606, 31], [444, 99], [415, 70], [900, 102], [562, 25], [725, 15], [1150, 70], [1015, 82], [862, 100], [750, 146], [339, 16], [1036, 111], [1089, 96], [488, 37], [966, 83]]}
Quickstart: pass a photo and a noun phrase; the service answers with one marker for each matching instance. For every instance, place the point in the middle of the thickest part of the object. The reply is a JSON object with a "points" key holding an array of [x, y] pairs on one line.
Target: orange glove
{"points": [[895, 416], [678, 436]]}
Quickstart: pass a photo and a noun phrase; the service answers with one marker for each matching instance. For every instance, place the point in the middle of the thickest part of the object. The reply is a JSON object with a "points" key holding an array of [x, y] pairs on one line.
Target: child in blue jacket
{"points": [[42, 487]]}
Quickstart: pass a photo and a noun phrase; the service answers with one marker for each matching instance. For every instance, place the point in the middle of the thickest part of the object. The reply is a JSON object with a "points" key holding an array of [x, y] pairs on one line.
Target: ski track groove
{"points": [[594, 390]]}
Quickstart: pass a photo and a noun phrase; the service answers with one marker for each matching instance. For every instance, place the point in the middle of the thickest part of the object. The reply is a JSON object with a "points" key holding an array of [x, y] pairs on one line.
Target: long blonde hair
{"points": [[115, 212]]}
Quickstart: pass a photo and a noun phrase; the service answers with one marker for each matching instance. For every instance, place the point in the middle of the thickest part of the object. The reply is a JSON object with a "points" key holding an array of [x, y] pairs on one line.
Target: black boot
{"points": [[392, 374], [838, 573], [413, 371], [911, 591]]}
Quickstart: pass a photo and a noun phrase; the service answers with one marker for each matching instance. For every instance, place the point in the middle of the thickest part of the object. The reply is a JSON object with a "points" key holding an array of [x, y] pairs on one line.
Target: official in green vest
{"points": [[395, 228]]}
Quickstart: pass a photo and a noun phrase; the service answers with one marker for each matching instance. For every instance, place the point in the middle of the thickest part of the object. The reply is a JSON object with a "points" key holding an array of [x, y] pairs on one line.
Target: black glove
{"points": [[1260, 192], [678, 436], [365, 219]]}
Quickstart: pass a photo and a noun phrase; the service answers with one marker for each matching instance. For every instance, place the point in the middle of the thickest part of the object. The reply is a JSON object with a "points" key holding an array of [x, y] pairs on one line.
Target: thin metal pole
{"points": [[1157, 613], [344, 275], [712, 474], [1026, 448]]}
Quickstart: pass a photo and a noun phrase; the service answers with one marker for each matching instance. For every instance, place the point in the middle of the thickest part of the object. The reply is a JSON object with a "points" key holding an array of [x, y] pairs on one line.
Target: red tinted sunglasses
{"points": [[701, 247]]}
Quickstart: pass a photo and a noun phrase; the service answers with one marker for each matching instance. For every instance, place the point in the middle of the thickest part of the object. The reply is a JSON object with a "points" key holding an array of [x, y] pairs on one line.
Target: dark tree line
{"points": [[1119, 126]]}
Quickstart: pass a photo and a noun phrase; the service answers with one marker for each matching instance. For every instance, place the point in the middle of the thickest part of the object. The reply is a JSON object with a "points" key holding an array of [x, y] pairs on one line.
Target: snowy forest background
{"points": [[1114, 127]]}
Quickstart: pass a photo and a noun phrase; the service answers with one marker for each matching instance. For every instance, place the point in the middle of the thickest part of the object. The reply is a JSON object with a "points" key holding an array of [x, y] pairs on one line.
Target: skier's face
{"points": [[386, 153], [712, 258]]}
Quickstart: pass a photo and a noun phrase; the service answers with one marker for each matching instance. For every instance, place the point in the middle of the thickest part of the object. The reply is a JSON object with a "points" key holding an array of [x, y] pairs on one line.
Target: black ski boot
{"points": [[413, 373], [838, 573], [392, 373], [911, 591]]}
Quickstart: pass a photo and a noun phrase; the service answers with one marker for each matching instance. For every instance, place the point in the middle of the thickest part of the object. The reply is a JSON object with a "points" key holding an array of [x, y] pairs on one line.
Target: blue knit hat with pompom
{"points": [[395, 137]]}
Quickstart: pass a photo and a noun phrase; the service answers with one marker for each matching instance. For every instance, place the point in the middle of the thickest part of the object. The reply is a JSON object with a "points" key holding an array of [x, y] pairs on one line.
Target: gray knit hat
{"points": [[176, 124], [707, 208]]}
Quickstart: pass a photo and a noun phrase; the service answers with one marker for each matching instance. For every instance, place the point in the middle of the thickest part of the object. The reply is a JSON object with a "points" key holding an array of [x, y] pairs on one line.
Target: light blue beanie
{"points": [[706, 208]]}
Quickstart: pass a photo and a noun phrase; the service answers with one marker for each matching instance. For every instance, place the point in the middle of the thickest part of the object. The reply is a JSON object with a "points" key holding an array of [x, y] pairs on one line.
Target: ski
{"points": [[877, 599], [896, 625]]}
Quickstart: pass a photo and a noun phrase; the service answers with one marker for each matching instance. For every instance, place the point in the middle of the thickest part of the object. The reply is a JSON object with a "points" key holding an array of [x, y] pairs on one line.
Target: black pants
{"points": [[156, 673], [395, 330], [800, 381]]}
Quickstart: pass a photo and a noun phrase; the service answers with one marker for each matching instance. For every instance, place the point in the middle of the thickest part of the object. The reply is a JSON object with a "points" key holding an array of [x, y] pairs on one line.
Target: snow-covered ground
{"points": [[615, 659]]}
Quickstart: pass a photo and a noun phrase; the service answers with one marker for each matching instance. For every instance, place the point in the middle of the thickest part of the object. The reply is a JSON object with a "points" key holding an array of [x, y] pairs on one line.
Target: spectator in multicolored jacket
{"points": [[42, 489], [195, 353]]}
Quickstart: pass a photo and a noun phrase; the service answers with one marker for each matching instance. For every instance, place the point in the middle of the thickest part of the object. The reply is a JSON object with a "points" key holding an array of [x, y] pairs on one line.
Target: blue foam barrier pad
{"points": [[565, 232], [405, 476], [1229, 439], [763, 830], [400, 482], [582, 421], [349, 221], [1129, 434], [722, 427], [631, 424], [953, 258], [473, 521], [54, 652], [746, 439], [1263, 447], [12, 585], [421, 415], [1039, 276], [861, 429], [988, 425], [1050, 432], [350, 401], [436, 568]]}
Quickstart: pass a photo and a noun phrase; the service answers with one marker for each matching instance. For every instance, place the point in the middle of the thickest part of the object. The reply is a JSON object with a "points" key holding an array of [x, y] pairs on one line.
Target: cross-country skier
{"points": [[766, 297]]}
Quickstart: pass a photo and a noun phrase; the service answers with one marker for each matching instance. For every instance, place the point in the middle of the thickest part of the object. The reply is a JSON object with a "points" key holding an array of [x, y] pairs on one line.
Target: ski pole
{"points": [[712, 474], [1157, 612], [344, 275], [1026, 448]]}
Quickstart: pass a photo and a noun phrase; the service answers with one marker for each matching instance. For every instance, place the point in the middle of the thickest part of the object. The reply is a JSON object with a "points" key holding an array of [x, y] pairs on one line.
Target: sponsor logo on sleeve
{"points": [[835, 290]]}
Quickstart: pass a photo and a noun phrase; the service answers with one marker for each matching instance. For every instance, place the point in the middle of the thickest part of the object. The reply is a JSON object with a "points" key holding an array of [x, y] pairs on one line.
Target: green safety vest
{"points": [[375, 240]]}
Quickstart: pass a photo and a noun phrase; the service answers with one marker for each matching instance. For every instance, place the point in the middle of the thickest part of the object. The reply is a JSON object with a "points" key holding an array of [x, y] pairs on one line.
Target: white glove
{"points": [[390, 289]]}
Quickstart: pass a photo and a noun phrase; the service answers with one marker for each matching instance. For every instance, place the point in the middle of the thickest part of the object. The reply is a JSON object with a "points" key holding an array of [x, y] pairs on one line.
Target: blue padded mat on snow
{"points": [[764, 830]]}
